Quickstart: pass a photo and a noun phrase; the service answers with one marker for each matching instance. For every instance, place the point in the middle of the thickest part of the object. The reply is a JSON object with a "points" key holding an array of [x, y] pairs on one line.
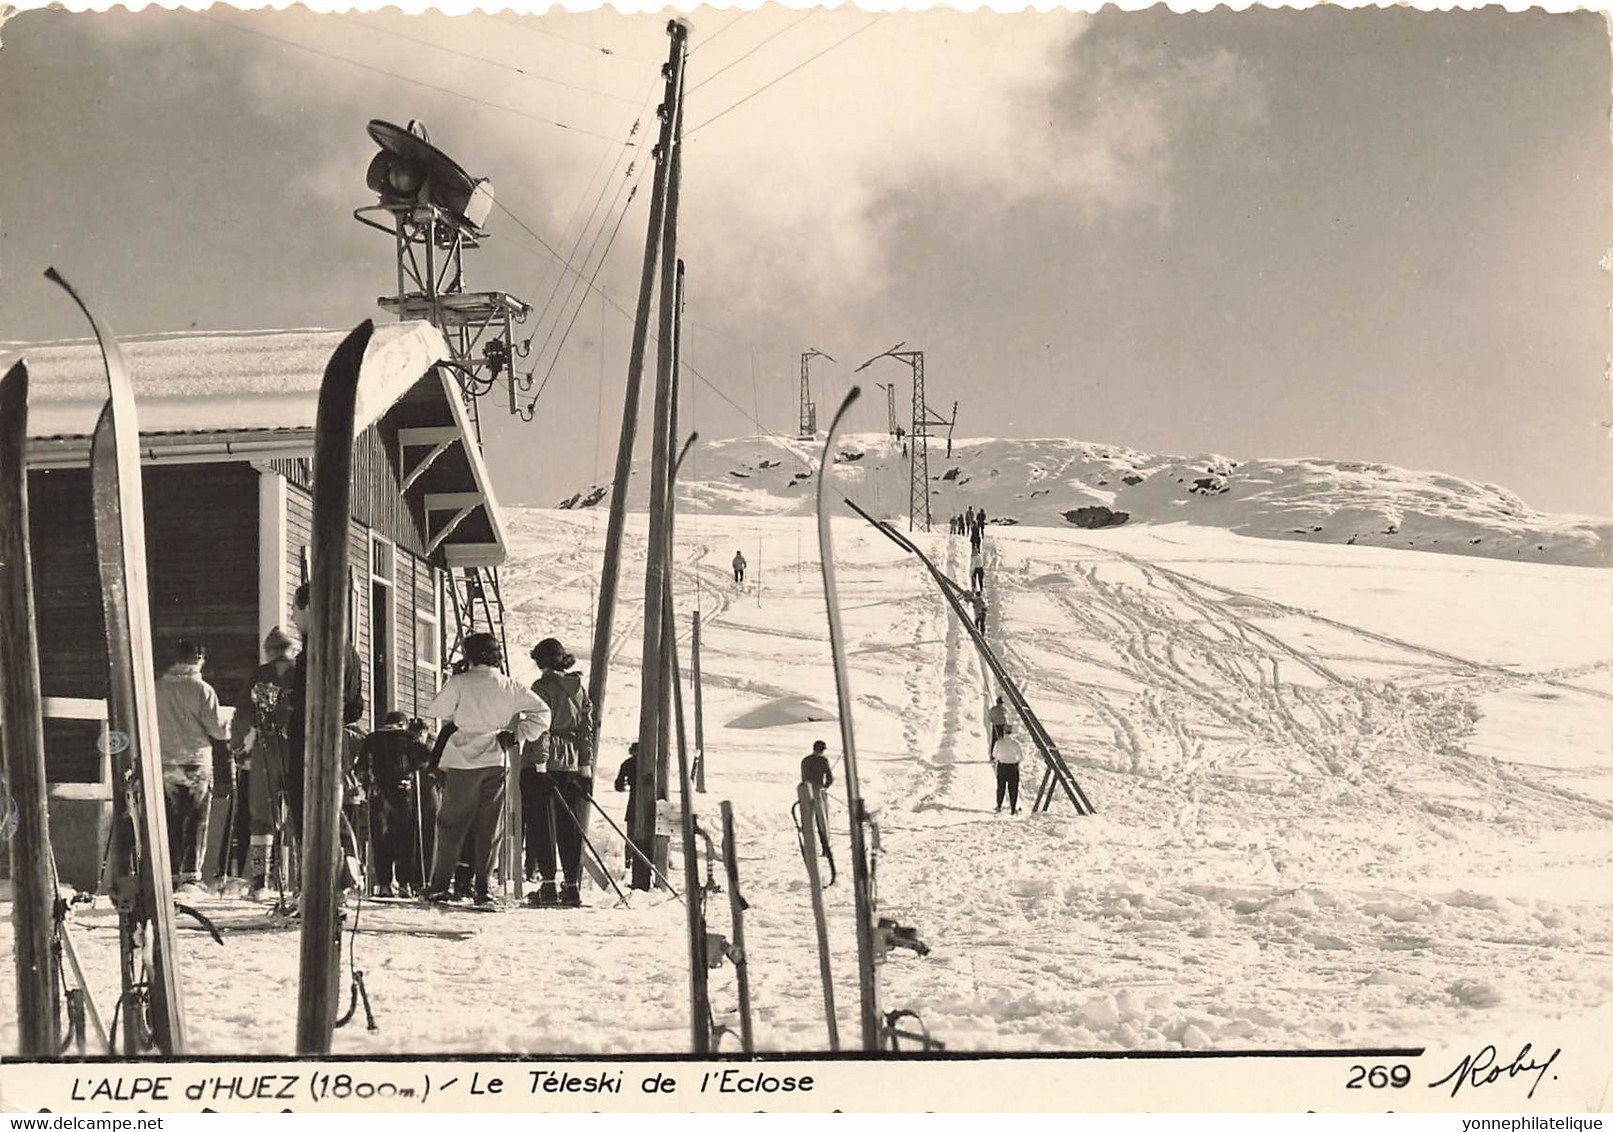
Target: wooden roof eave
{"points": [[446, 511]]}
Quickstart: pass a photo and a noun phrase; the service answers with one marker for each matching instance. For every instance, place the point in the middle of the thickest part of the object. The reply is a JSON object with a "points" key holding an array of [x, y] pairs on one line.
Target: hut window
{"points": [[427, 645]]}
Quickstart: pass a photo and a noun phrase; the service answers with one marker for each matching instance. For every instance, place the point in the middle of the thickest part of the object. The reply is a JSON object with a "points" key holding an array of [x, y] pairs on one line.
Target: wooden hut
{"points": [[227, 434]]}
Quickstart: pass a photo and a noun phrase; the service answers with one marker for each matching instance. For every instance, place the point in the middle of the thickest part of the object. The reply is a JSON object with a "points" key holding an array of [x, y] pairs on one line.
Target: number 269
{"points": [[1379, 1077]]}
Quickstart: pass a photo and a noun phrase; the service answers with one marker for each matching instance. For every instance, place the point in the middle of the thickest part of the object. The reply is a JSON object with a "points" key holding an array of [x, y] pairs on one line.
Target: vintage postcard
{"points": [[806, 559]]}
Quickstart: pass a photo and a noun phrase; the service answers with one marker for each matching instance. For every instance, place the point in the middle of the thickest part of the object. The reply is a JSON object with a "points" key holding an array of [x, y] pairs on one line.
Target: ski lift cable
{"points": [[351, 18], [578, 43], [720, 31], [604, 184], [774, 82], [630, 184], [351, 62], [769, 39], [580, 278], [621, 216]]}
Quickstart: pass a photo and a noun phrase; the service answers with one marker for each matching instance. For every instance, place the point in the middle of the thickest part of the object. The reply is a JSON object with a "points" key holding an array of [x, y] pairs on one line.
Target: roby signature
{"points": [[1481, 1068]]}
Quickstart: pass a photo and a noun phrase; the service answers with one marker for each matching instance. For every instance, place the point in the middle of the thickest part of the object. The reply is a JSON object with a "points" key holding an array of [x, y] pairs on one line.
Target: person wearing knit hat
{"points": [[260, 736]]}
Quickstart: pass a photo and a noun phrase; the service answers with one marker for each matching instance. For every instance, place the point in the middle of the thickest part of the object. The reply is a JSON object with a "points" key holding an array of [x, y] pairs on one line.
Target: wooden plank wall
{"points": [[201, 553], [414, 582]]}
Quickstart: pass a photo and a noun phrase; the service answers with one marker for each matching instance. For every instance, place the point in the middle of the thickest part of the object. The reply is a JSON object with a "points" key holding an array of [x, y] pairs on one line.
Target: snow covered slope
{"points": [[1346, 797], [1059, 483]]}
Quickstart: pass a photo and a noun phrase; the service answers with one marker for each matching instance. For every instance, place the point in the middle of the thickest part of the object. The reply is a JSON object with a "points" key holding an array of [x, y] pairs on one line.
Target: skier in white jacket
{"points": [[492, 713], [1006, 754]]}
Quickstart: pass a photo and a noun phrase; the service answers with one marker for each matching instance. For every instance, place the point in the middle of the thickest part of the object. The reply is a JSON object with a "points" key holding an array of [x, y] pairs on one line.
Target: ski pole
{"points": [[600, 861], [634, 849]]}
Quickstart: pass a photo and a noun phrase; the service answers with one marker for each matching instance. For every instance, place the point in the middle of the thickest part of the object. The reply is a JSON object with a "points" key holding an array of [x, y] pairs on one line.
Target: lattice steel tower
{"points": [[433, 211], [918, 464], [809, 410]]}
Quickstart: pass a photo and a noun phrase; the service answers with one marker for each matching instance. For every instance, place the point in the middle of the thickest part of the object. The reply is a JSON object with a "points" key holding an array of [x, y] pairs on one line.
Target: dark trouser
{"points": [[552, 804], [393, 836], [977, 578], [188, 794], [537, 823], [1008, 779], [430, 803], [739, 573], [627, 827], [473, 804], [980, 622], [997, 730]]}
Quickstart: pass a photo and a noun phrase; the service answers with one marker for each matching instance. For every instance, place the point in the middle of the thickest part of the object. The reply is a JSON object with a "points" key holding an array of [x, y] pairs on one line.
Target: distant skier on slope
{"points": [[977, 570], [1006, 754], [739, 568], [980, 612], [815, 771]]}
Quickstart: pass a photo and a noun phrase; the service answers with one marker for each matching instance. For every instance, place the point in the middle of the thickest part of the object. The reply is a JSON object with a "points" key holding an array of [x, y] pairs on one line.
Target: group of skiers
{"points": [[971, 523], [201, 741], [429, 809]]}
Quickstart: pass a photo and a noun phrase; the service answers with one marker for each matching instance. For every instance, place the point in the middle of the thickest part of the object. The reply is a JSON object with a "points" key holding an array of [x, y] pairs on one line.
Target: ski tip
{"points": [[348, 357], [14, 386], [60, 280], [14, 408]]}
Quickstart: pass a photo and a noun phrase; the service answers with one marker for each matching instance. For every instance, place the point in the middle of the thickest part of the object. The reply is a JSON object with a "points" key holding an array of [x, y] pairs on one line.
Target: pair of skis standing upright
{"points": [[875, 935], [151, 1005]]}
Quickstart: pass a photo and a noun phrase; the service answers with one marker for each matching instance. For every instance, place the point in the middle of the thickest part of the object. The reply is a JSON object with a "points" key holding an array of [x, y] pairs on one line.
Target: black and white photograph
{"points": [[792, 536]]}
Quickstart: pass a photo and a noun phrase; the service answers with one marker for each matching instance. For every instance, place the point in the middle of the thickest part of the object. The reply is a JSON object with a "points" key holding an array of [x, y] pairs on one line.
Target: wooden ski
{"points": [[22, 739], [120, 545], [736, 907], [317, 997], [807, 794], [863, 891]]}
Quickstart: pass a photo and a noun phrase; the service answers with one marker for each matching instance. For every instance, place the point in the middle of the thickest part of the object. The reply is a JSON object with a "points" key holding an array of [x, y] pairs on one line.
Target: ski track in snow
{"points": [[1294, 844]]}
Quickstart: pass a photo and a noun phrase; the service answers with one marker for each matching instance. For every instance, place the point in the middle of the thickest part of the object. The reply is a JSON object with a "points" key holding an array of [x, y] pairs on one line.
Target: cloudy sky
{"points": [[1366, 235]]}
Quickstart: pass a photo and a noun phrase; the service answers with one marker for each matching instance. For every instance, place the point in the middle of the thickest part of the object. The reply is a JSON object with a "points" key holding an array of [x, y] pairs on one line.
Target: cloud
{"points": [[1121, 111], [921, 104], [993, 110]]}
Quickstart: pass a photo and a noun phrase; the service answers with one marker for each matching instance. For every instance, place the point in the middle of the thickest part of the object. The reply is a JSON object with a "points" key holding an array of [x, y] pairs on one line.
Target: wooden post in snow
{"points": [[22, 738], [651, 782], [603, 621]]}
